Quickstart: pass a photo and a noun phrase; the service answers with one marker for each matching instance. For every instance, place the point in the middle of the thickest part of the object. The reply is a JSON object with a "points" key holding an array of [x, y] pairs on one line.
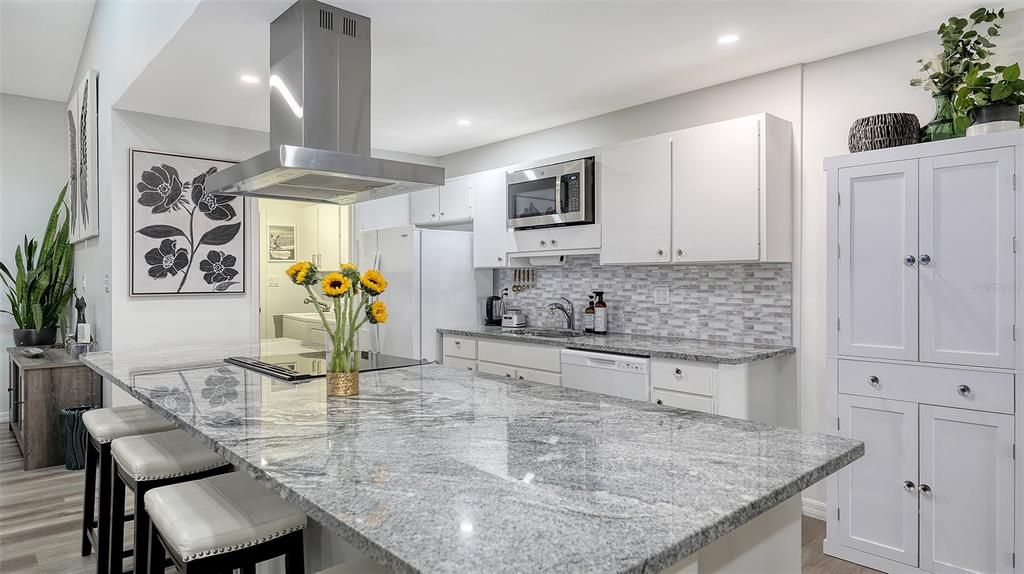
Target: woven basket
{"points": [[884, 131]]}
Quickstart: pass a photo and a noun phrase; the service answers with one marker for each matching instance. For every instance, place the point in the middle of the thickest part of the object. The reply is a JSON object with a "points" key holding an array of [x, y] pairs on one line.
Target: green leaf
{"points": [[978, 14], [961, 123], [1011, 73], [1000, 91]]}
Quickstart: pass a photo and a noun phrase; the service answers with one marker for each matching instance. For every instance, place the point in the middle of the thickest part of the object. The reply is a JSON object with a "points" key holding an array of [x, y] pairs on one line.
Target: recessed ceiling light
{"points": [[250, 79], [728, 39], [464, 122]]}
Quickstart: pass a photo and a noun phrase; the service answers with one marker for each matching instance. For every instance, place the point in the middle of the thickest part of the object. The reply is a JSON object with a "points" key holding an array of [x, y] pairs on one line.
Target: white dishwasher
{"points": [[606, 373]]}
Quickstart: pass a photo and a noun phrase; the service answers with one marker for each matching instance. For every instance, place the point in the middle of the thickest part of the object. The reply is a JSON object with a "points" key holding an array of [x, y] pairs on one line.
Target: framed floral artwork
{"points": [[184, 239]]}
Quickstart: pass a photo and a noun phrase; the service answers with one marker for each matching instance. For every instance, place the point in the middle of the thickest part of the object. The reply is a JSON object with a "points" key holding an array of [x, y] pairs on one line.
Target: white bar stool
{"points": [[149, 461], [222, 523], [105, 425]]}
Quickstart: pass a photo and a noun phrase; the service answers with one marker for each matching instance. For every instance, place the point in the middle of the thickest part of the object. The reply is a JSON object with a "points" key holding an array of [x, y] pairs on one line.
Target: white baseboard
{"points": [[5, 416], [814, 508]]}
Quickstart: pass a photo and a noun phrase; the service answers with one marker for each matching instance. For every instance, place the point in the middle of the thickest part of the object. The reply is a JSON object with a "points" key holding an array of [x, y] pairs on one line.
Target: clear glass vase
{"points": [[943, 125]]}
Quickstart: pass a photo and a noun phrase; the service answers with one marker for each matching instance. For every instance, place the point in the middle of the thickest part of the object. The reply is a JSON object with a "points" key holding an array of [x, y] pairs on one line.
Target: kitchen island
{"points": [[431, 469]]}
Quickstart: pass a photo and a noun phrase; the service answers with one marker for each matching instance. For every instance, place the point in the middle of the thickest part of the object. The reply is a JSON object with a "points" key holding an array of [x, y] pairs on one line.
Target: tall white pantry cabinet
{"points": [[925, 359]]}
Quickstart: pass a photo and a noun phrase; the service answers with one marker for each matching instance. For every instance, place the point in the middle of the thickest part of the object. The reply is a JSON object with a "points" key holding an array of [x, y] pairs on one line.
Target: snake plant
{"points": [[42, 285]]}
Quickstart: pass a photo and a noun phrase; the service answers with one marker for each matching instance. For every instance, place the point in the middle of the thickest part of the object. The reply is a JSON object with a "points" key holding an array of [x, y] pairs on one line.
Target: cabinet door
{"points": [[877, 493], [329, 236], [716, 192], [635, 183], [492, 241], [878, 261], [532, 240], [308, 235], [966, 491], [423, 206], [456, 199], [966, 258]]}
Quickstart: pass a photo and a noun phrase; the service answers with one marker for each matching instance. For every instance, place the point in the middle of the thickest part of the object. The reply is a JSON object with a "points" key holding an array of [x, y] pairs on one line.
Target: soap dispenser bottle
{"points": [[588, 316], [600, 314]]}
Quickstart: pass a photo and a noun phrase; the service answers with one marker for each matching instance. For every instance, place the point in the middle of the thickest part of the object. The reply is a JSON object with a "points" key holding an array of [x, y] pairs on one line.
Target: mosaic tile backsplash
{"points": [[741, 302]]}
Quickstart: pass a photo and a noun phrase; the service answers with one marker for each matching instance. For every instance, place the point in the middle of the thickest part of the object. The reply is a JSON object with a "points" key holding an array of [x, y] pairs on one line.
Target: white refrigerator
{"points": [[431, 284]]}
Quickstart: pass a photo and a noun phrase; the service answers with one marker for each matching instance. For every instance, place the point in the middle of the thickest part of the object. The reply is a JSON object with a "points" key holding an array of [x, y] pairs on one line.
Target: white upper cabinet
{"points": [[456, 199], [878, 493], [718, 192], [636, 190], [452, 202], [966, 490], [492, 241], [424, 206], [716, 176], [966, 258], [877, 260]]}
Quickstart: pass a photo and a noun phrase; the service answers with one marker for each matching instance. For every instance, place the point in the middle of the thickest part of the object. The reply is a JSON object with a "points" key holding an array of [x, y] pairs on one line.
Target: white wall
{"points": [[140, 322], [836, 92], [33, 169]]}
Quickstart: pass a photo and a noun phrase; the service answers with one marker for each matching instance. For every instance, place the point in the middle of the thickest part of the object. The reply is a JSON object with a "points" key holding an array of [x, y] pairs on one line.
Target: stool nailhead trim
{"points": [[145, 478], [226, 549]]}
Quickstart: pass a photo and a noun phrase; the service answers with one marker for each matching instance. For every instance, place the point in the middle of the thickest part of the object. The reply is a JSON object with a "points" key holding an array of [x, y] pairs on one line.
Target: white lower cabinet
{"points": [[520, 361], [935, 487]]}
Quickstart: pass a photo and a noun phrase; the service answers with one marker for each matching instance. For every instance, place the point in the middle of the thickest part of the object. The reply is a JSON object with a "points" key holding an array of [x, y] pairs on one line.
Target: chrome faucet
{"points": [[570, 317]]}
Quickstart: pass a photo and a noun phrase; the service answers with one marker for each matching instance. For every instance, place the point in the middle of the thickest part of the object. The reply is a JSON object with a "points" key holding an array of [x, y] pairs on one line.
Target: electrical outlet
{"points": [[83, 283], [661, 295]]}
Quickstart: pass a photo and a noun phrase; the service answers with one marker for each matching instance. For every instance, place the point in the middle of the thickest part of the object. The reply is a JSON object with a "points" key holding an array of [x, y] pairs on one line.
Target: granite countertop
{"points": [[722, 352], [431, 469]]}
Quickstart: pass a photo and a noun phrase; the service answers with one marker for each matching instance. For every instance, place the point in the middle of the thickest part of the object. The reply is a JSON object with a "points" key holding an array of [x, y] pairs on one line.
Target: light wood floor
{"points": [[40, 517]]}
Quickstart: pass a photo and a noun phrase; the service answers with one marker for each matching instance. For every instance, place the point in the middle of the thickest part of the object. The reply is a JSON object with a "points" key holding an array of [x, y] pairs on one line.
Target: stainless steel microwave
{"points": [[551, 195]]}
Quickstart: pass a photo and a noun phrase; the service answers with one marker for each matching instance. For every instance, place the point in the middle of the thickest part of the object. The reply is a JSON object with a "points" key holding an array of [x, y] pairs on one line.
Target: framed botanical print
{"points": [[184, 239]]}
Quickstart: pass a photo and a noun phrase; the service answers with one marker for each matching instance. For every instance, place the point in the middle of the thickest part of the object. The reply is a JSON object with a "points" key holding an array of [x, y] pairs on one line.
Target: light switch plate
{"points": [[661, 295], [272, 281]]}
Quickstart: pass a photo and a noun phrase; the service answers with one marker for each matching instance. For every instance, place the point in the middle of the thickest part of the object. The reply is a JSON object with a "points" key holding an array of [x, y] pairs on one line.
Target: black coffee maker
{"points": [[493, 310]]}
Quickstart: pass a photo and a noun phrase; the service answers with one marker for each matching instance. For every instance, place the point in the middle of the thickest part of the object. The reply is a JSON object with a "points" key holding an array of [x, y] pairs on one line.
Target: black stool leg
{"points": [[89, 506], [294, 559], [103, 552], [141, 532], [117, 495], [156, 551]]}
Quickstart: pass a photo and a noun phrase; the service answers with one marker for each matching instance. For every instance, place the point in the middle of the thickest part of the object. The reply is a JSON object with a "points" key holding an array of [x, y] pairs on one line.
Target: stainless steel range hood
{"points": [[320, 117]]}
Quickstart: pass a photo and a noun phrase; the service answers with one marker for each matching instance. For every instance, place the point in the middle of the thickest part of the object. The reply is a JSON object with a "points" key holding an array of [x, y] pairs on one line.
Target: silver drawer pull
{"points": [[964, 391], [909, 486], [661, 252], [873, 381], [659, 401], [924, 488], [909, 260], [679, 372], [925, 259], [458, 344]]}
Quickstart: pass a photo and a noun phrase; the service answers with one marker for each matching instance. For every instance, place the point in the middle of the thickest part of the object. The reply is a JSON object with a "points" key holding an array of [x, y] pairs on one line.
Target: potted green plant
{"points": [[990, 99], [965, 43], [41, 286]]}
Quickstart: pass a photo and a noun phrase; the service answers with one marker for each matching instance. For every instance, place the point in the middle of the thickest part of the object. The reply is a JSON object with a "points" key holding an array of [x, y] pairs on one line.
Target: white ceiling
{"points": [[40, 44], [516, 67]]}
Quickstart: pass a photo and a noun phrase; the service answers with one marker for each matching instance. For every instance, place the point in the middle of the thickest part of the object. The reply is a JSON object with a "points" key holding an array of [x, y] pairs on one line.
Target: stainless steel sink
{"points": [[553, 333]]}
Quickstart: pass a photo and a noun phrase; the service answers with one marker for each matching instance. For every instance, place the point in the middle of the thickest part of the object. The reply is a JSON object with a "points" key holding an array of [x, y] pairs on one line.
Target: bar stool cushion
{"points": [[219, 514], [107, 424], [163, 455]]}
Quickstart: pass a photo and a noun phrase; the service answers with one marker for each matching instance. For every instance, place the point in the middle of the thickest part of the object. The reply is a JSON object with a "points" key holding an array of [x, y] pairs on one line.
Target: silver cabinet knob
{"points": [[924, 488], [925, 259], [508, 376], [909, 486], [553, 243], [909, 260], [661, 252], [679, 252], [521, 378], [433, 215], [963, 391], [500, 259], [873, 381], [442, 213], [458, 344], [543, 243], [658, 401], [679, 372]]}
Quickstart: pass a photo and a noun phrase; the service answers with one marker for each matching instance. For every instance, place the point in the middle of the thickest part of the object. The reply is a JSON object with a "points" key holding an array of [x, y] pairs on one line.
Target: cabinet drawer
{"points": [[459, 363], [943, 386], [539, 377], [499, 370], [683, 376], [683, 401], [538, 357], [459, 347]]}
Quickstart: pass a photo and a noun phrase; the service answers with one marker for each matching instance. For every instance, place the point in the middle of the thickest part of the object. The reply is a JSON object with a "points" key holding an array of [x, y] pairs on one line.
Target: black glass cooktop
{"points": [[297, 367]]}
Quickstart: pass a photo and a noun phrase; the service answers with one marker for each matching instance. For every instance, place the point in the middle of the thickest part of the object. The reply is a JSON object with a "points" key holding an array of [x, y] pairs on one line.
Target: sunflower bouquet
{"points": [[351, 302]]}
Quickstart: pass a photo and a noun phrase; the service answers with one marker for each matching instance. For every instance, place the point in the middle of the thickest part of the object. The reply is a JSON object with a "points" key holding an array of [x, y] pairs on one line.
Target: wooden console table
{"points": [[39, 388]]}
